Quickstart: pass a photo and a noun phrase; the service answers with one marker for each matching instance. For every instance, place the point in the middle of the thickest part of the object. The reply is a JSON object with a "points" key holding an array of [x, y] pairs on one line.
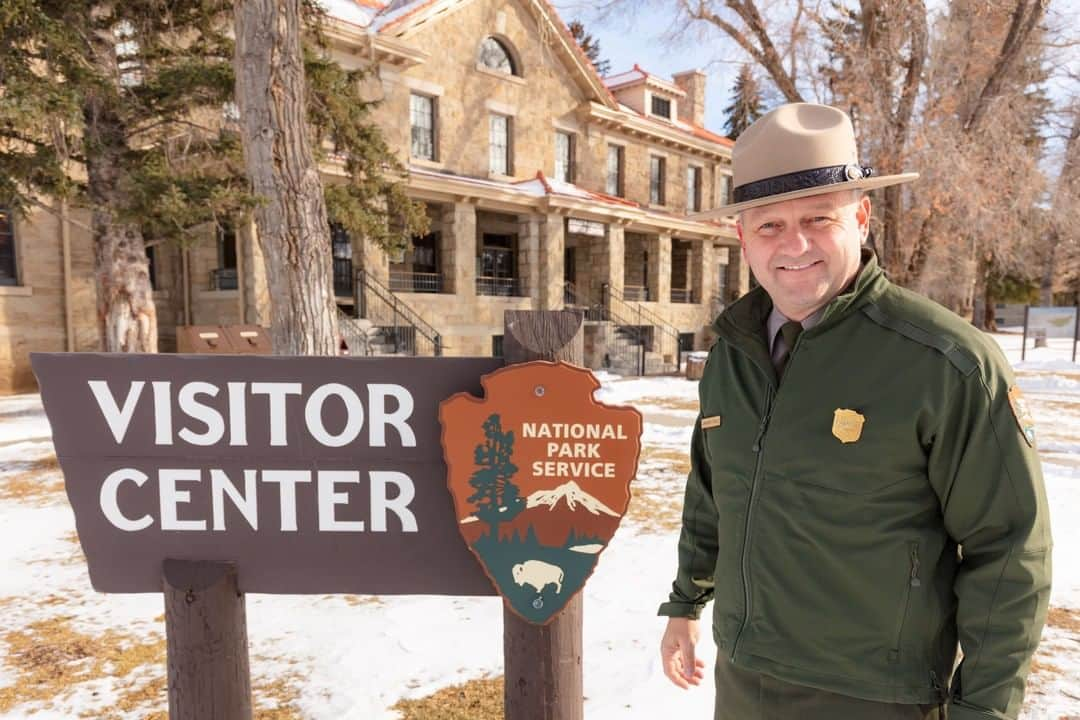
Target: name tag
{"points": [[711, 422]]}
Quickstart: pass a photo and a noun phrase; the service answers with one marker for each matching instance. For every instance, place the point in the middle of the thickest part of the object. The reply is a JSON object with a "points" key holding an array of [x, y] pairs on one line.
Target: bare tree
{"points": [[291, 221]]}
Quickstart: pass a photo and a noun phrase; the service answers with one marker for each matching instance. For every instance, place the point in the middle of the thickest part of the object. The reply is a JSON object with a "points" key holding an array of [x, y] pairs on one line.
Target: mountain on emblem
{"points": [[540, 474], [573, 496]]}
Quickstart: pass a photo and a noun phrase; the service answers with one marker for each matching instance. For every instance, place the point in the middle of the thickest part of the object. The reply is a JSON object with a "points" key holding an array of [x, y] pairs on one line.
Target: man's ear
{"points": [[862, 215], [742, 241]]}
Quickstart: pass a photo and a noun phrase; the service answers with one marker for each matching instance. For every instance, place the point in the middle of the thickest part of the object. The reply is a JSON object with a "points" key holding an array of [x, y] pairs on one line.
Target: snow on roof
{"points": [[398, 10], [638, 74], [633, 75], [354, 12]]}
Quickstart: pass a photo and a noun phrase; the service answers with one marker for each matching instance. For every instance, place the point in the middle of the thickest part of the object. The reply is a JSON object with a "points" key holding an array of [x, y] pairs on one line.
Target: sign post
{"points": [[542, 674], [206, 642]]}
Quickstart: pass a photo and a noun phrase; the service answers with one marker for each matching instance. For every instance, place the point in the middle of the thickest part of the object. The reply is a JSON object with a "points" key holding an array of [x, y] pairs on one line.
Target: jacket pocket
{"points": [[912, 581]]}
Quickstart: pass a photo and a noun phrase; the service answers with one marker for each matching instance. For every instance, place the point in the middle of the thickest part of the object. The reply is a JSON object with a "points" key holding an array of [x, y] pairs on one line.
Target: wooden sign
{"points": [[540, 474], [310, 474]]}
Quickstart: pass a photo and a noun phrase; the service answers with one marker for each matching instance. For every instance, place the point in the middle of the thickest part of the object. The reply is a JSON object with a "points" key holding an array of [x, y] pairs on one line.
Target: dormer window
{"points": [[661, 107], [496, 56]]}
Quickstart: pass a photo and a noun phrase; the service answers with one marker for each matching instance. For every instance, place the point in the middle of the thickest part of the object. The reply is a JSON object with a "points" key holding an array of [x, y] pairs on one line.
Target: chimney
{"points": [[692, 108]]}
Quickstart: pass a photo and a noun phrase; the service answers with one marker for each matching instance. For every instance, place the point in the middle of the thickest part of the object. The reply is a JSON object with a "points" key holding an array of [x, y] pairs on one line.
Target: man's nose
{"points": [[794, 241]]}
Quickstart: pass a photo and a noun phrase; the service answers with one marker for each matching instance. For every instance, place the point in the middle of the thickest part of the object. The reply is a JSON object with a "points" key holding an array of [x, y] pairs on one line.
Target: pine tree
{"points": [[120, 109], [101, 107], [497, 499], [746, 104], [590, 46]]}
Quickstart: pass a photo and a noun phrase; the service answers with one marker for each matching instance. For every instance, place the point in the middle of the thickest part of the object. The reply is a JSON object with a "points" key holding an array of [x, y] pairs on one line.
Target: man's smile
{"points": [[799, 267]]}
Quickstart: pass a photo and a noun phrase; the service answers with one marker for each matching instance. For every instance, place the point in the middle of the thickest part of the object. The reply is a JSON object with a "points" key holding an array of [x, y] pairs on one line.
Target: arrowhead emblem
{"points": [[540, 475]]}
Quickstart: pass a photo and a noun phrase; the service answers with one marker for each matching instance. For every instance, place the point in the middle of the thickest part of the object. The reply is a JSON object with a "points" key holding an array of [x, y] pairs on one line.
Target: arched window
{"points": [[496, 56]]}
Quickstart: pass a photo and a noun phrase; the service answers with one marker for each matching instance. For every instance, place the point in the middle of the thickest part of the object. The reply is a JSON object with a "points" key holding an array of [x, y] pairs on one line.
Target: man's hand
{"points": [[677, 653]]}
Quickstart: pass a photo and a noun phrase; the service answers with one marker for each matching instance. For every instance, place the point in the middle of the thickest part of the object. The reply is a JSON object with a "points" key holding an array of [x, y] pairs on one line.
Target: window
{"points": [[341, 252], [564, 156], [128, 64], [224, 276], [725, 189], [499, 138], [496, 346], [496, 265], [496, 56], [657, 177], [8, 270], [693, 189], [616, 161], [661, 107], [422, 124]]}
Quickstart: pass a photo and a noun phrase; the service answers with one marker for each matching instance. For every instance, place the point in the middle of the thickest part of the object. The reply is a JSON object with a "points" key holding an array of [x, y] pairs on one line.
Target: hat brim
{"points": [[869, 183]]}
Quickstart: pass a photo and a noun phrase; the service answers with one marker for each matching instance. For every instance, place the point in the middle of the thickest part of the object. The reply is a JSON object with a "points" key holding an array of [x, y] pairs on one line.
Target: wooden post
{"points": [[542, 675], [206, 635]]}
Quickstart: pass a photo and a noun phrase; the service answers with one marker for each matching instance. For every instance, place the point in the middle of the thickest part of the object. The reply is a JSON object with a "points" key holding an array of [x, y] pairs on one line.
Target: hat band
{"points": [[801, 180]]}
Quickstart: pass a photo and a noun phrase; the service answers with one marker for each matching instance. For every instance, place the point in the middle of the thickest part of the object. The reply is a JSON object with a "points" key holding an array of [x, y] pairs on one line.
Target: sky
{"points": [[642, 36], [624, 40]]}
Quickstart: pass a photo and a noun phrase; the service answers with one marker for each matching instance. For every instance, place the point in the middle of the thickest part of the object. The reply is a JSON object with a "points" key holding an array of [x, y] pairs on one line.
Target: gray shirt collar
{"points": [[777, 319]]}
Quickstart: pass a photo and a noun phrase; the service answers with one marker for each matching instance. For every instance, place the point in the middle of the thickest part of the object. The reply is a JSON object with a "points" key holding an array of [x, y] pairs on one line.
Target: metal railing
{"points": [[501, 287], [629, 342], [638, 293], [401, 281], [343, 277], [224, 279], [682, 295], [400, 326], [664, 341]]}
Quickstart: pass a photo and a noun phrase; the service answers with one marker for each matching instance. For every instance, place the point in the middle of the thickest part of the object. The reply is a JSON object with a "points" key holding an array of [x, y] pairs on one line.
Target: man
{"points": [[864, 491]]}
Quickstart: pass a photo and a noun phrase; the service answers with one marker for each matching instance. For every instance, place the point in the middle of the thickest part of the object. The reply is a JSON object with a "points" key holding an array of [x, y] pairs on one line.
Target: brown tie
{"points": [[790, 331]]}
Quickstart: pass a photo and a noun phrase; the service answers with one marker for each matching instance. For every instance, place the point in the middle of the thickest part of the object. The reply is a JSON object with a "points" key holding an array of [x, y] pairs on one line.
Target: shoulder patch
{"points": [[1022, 413], [952, 352]]}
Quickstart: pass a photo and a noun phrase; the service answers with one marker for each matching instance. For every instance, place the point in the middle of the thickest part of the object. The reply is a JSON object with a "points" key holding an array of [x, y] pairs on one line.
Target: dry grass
{"points": [[475, 700], [656, 505], [668, 403], [49, 656], [1065, 619], [41, 483], [359, 600]]}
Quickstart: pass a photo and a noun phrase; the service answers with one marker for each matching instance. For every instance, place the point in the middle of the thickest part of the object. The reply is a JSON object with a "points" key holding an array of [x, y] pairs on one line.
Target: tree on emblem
{"points": [[496, 497]]}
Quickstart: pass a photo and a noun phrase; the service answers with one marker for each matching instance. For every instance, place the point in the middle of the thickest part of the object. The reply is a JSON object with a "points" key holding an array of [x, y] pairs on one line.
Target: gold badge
{"points": [[847, 425], [711, 422], [1022, 413]]}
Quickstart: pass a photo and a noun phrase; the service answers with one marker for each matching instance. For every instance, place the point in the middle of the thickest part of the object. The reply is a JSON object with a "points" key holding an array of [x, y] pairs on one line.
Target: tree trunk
{"points": [[1046, 287], [127, 317], [292, 224]]}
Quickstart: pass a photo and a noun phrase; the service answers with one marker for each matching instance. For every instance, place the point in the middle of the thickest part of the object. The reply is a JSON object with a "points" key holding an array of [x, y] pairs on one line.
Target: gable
{"points": [[405, 19]]}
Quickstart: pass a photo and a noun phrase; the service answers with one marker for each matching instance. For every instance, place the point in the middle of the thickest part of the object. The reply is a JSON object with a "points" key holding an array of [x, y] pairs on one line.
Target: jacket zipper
{"points": [[913, 582], [759, 448]]}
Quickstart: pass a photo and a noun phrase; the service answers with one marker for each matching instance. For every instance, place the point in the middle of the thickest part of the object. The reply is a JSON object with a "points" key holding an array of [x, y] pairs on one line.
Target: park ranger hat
{"points": [[795, 151]]}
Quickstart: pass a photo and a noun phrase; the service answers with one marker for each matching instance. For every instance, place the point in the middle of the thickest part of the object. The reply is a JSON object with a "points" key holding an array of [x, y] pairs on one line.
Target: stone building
{"points": [[547, 186]]}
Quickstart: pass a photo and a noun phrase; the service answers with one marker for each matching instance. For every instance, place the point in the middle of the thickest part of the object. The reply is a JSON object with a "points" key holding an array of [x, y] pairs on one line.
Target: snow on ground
{"points": [[68, 652]]}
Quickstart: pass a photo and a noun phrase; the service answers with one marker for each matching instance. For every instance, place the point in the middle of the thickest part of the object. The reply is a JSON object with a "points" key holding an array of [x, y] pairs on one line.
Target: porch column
{"points": [[702, 283], [608, 262], [738, 273], [552, 247], [529, 256], [660, 280], [459, 262], [374, 260]]}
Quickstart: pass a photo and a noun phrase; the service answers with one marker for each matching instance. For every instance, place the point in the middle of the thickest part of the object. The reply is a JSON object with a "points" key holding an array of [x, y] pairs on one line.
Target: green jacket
{"points": [[857, 567]]}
